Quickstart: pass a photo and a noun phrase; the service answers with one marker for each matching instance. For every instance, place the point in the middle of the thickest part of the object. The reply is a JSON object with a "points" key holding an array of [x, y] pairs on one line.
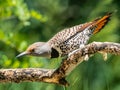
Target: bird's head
{"points": [[37, 49]]}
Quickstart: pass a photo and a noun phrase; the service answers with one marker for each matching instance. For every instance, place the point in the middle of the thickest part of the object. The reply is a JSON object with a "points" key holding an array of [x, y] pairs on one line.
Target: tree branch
{"points": [[57, 76]]}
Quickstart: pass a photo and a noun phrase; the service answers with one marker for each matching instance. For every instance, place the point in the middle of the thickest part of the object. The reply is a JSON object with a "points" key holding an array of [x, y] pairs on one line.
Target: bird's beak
{"points": [[22, 54]]}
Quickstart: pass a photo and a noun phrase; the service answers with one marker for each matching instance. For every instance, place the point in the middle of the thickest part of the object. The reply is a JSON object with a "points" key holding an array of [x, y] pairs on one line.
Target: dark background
{"points": [[23, 22]]}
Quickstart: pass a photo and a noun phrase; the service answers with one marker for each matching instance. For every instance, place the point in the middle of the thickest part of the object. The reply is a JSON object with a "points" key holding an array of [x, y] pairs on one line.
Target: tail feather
{"points": [[101, 22]]}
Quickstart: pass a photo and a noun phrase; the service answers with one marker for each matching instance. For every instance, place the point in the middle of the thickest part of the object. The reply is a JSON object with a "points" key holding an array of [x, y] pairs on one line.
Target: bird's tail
{"points": [[101, 22]]}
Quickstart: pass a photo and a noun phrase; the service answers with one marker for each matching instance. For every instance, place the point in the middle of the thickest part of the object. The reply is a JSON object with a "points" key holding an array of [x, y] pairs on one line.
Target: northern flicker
{"points": [[67, 40]]}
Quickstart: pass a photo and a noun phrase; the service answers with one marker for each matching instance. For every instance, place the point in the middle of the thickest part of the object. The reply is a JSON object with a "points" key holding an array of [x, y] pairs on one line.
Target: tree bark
{"points": [[57, 76]]}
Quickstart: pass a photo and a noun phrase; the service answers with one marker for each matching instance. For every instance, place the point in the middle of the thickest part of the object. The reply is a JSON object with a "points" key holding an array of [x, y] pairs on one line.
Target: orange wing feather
{"points": [[100, 23]]}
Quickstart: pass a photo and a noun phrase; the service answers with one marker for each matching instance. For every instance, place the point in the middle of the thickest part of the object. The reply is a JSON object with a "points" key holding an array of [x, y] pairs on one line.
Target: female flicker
{"points": [[67, 40]]}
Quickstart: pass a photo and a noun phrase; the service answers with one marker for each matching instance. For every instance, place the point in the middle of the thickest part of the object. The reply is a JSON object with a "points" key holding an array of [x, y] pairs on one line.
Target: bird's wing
{"points": [[66, 34]]}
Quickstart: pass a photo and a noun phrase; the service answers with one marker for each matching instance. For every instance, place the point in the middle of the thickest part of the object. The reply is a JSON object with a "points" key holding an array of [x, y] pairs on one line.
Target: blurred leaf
{"points": [[38, 16]]}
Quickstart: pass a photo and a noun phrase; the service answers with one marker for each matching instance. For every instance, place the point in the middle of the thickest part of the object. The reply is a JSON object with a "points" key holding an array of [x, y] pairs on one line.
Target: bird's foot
{"points": [[104, 55]]}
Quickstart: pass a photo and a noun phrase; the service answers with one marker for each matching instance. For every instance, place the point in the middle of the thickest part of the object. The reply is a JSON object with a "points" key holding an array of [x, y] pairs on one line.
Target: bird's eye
{"points": [[32, 50]]}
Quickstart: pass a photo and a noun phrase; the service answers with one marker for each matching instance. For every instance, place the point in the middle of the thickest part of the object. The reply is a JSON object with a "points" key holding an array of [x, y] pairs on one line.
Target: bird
{"points": [[67, 40]]}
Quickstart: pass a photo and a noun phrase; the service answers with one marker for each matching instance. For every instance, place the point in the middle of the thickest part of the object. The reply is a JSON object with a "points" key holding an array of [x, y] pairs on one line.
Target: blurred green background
{"points": [[23, 22]]}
